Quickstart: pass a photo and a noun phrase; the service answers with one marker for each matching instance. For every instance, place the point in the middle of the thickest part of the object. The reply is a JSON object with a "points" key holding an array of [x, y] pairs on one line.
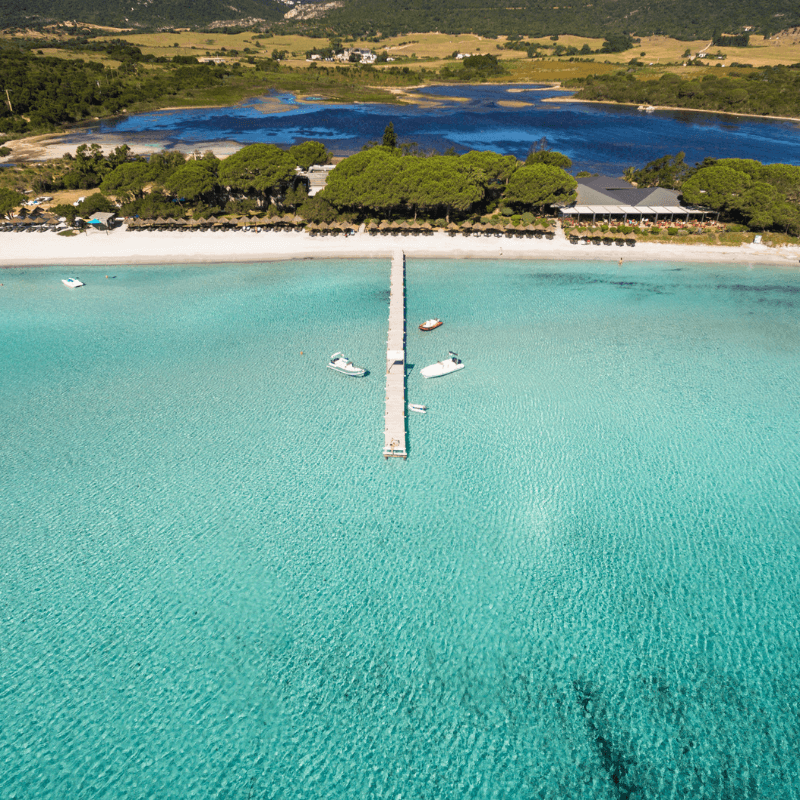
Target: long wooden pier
{"points": [[394, 436]]}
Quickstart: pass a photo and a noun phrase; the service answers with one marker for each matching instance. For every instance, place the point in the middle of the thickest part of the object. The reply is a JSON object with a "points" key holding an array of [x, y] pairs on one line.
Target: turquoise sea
{"points": [[584, 582]]}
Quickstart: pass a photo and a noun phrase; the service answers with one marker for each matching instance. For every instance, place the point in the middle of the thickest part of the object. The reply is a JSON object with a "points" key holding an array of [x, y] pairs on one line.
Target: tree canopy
{"points": [[540, 185], [308, 153], [258, 169], [9, 199], [193, 180], [552, 157], [717, 187]]}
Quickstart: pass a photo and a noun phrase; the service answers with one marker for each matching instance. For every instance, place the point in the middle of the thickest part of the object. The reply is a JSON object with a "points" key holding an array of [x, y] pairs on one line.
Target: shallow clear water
{"points": [[583, 583], [603, 138]]}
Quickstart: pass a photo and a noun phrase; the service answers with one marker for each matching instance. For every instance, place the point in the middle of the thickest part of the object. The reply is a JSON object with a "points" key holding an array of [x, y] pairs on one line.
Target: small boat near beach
{"points": [[72, 283], [440, 368], [430, 324], [418, 407], [341, 363]]}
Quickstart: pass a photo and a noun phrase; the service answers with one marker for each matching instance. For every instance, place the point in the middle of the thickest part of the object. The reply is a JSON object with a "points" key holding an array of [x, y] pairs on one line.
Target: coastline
{"points": [[120, 247], [668, 108]]}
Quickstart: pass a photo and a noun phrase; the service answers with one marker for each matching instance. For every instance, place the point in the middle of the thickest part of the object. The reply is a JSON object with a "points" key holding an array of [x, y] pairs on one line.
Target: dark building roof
{"points": [[606, 191]]}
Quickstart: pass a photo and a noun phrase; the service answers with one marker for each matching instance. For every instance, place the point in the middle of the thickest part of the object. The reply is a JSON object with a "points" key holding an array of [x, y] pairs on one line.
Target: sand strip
{"points": [[120, 247]]}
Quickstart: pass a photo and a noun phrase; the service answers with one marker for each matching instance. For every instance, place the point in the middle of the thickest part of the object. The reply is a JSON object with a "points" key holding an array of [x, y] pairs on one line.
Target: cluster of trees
{"points": [[46, 92], [772, 90], [473, 68], [762, 196], [730, 40], [251, 178], [614, 43], [384, 182]]}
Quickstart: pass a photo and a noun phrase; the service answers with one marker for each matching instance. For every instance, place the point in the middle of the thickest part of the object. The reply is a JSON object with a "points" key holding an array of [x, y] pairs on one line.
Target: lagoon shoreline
{"points": [[121, 247]]}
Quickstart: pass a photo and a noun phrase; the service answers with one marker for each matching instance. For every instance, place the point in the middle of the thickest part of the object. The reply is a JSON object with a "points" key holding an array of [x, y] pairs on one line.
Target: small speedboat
{"points": [[418, 407], [341, 363], [71, 283], [430, 324], [452, 364]]}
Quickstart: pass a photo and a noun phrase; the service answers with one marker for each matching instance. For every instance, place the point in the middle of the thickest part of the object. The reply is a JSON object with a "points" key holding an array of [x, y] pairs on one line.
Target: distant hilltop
{"points": [[680, 19]]}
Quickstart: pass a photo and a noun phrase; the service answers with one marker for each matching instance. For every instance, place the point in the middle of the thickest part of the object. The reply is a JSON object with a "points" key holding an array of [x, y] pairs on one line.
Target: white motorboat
{"points": [[418, 407], [452, 364], [341, 363], [71, 283]]}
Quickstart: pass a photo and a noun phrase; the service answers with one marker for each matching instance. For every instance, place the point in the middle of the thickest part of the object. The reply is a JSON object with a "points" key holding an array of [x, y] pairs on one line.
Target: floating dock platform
{"points": [[394, 435]]}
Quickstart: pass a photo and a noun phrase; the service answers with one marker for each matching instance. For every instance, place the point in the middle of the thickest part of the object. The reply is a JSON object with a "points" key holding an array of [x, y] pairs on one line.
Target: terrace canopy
{"points": [[629, 211]]}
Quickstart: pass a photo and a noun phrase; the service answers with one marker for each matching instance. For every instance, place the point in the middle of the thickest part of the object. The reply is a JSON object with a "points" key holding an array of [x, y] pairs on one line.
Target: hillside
{"points": [[680, 19], [140, 13]]}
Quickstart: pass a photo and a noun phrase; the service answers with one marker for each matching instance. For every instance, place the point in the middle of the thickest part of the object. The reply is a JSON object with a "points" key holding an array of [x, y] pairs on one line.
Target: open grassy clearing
{"points": [[71, 55], [435, 48], [534, 71]]}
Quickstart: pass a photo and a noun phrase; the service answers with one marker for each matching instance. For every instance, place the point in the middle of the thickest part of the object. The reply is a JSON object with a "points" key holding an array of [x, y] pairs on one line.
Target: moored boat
{"points": [[418, 407], [341, 363], [72, 283], [445, 367], [430, 324]]}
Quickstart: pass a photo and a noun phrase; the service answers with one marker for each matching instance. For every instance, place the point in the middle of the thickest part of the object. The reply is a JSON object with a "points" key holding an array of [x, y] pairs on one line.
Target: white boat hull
{"points": [[71, 283], [353, 373], [441, 368], [341, 363]]}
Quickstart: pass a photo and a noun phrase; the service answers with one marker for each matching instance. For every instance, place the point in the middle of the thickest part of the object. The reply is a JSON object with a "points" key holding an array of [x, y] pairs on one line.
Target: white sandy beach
{"points": [[120, 246]]}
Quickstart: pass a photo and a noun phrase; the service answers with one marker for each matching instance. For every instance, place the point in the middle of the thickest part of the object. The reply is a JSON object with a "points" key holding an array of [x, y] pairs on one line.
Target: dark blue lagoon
{"points": [[507, 119]]}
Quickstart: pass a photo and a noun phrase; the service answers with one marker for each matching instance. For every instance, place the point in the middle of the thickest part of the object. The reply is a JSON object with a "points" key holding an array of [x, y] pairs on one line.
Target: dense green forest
{"points": [[768, 91], [139, 13], [682, 19], [45, 92]]}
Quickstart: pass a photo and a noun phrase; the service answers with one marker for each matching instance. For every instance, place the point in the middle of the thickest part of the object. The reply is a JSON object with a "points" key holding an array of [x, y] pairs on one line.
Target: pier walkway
{"points": [[394, 437]]}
